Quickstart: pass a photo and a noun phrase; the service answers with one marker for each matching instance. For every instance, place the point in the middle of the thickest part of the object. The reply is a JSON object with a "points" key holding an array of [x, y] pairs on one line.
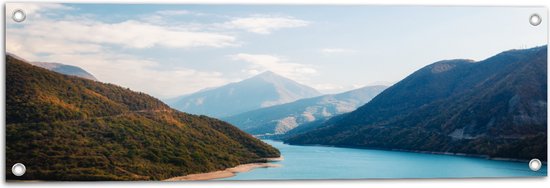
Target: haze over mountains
{"points": [[68, 128], [496, 107], [65, 69], [59, 68], [263, 90], [282, 118]]}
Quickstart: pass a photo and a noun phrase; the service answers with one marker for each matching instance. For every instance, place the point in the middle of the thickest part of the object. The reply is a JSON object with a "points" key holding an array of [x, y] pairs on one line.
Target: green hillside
{"points": [[68, 128]]}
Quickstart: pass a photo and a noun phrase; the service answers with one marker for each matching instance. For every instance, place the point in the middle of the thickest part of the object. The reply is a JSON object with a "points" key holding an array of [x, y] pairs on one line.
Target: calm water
{"points": [[320, 162]]}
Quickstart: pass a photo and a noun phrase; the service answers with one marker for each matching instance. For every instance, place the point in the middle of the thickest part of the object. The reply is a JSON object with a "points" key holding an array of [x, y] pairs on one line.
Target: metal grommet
{"points": [[18, 169], [18, 15], [535, 19], [535, 164]]}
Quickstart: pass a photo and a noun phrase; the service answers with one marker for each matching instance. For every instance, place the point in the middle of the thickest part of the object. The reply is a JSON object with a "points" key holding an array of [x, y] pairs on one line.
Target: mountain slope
{"points": [[67, 128], [495, 107], [263, 90], [281, 118]]}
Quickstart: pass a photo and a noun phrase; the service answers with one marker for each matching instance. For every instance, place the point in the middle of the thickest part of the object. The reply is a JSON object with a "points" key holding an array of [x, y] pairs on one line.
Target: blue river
{"points": [[321, 162]]}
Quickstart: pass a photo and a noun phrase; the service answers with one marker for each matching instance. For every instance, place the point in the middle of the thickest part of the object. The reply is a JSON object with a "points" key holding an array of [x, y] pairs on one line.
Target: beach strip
{"points": [[229, 172]]}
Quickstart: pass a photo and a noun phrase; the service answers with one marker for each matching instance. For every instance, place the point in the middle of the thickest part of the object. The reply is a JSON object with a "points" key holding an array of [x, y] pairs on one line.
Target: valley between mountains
{"points": [[68, 125]]}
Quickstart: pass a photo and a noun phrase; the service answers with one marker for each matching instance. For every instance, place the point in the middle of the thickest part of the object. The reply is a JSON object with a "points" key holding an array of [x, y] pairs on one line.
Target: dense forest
{"points": [[68, 128]]}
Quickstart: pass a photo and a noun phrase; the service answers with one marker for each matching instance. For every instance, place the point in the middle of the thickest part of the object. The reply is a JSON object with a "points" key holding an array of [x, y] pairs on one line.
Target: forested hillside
{"points": [[68, 128], [496, 107]]}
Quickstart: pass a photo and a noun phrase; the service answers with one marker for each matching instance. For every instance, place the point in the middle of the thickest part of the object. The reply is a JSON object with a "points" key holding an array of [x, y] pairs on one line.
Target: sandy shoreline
{"points": [[229, 172]]}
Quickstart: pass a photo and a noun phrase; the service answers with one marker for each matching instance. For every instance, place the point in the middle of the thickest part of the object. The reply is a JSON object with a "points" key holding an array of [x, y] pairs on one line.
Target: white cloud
{"points": [[93, 46], [131, 34], [125, 70], [141, 74], [21, 44], [262, 24], [34, 8], [262, 62], [259, 24], [337, 50]]}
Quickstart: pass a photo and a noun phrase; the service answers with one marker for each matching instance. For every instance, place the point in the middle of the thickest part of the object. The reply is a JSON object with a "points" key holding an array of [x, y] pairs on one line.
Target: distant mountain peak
{"points": [[281, 118], [268, 75], [16, 57], [59, 68], [262, 90], [65, 69]]}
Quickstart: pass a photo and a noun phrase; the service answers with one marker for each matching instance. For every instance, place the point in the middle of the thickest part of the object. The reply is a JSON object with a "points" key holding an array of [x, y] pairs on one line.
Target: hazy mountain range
{"points": [[496, 107], [263, 90], [69, 128], [282, 118], [59, 68], [65, 69]]}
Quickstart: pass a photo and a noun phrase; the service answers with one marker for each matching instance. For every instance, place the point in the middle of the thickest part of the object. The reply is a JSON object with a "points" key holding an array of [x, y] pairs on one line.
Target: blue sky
{"points": [[170, 50]]}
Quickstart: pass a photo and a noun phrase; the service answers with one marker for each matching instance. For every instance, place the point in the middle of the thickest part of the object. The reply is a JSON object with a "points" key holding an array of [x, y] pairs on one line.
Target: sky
{"points": [[172, 50]]}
